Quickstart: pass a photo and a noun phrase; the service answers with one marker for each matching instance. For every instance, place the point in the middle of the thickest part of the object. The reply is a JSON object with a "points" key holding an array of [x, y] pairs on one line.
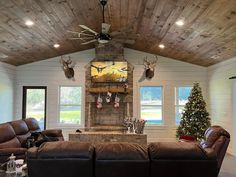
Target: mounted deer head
{"points": [[67, 66], [149, 67]]}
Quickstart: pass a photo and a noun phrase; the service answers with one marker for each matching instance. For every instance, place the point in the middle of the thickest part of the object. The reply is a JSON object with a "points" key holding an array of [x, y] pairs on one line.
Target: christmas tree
{"points": [[195, 118]]}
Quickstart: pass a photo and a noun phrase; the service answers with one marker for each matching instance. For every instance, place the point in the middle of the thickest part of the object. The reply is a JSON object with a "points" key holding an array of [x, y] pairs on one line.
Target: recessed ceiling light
{"points": [[29, 23], [162, 46], [215, 57], [179, 22], [56, 45]]}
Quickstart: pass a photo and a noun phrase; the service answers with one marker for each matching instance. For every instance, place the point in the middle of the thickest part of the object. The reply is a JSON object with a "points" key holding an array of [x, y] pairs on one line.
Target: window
{"points": [[182, 94], [151, 104], [70, 105], [34, 104]]}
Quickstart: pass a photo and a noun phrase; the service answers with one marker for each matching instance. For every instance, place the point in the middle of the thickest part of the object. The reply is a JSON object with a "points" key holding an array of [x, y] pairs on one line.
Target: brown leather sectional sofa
{"points": [[177, 159], [13, 135]]}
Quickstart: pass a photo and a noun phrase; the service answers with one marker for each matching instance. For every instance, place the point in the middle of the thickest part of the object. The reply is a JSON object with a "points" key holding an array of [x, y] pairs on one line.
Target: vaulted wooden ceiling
{"points": [[208, 36]]}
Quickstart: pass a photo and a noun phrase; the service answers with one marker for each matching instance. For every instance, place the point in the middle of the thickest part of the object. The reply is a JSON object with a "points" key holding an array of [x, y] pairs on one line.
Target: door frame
{"points": [[24, 101]]}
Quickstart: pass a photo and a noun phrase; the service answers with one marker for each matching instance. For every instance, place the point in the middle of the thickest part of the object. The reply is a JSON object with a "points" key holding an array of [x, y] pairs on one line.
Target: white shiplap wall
{"points": [[49, 73], [7, 80], [169, 74], [222, 97]]}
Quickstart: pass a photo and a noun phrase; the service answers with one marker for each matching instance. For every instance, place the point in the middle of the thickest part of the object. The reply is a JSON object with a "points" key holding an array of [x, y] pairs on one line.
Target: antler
{"points": [[69, 61], [155, 61], [62, 61], [146, 63]]}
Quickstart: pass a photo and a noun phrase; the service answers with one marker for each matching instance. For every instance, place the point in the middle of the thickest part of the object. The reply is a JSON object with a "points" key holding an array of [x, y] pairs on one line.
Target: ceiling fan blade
{"points": [[74, 38], [88, 29], [88, 42], [126, 41], [73, 32], [105, 28], [121, 31]]}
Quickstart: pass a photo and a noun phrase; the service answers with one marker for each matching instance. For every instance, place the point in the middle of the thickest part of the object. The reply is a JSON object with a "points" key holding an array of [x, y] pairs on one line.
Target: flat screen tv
{"points": [[109, 71]]}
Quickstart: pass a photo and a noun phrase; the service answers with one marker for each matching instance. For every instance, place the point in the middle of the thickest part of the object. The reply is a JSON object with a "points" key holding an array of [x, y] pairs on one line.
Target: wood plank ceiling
{"points": [[208, 36]]}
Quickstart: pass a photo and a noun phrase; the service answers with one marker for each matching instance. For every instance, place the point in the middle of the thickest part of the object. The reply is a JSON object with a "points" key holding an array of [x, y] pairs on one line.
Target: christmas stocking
{"points": [[99, 102], [108, 97], [117, 102]]}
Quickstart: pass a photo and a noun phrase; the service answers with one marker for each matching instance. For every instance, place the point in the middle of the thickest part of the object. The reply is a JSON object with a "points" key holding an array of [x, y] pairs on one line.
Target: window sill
{"points": [[150, 127], [61, 125]]}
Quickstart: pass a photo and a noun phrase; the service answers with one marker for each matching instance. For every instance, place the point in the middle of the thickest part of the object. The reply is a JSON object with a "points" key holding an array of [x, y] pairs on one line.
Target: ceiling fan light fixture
{"points": [[102, 41], [103, 38]]}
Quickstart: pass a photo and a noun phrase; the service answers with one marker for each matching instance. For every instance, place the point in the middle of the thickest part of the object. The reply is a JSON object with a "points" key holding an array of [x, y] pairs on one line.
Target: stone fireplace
{"points": [[108, 118]]}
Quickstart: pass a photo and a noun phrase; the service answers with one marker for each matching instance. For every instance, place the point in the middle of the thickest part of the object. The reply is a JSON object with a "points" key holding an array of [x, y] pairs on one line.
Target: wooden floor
{"points": [[228, 168]]}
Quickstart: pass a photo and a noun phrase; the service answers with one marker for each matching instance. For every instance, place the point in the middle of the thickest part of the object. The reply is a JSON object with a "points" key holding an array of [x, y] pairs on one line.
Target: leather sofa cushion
{"points": [[21, 129], [13, 143], [121, 151], [7, 132], [56, 133], [176, 151], [32, 124], [61, 158], [121, 160], [64, 149]]}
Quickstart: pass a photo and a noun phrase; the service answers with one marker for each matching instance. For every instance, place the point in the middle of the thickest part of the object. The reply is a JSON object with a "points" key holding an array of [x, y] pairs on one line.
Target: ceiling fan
{"points": [[87, 35]]}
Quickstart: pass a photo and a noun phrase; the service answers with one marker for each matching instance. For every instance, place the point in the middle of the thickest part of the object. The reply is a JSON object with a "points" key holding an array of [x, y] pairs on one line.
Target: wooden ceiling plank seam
{"points": [[175, 30], [139, 16], [168, 25], [132, 8], [124, 6], [40, 37], [93, 16], [188, 21], [58, 30], [228, 29]]}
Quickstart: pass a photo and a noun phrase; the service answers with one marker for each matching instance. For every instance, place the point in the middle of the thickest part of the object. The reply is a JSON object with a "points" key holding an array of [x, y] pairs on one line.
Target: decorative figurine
{"points": [[11, 166]]}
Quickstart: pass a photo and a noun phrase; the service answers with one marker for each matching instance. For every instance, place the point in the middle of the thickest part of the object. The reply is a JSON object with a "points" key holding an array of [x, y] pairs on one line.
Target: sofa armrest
{"points": [[210, 153], [32, 152], [15, 151], [178, 151], [57, 133]]}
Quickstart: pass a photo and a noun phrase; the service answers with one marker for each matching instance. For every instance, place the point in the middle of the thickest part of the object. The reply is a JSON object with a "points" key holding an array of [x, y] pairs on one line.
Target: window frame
{"points": [[161, 106], [59, 106], [177, 105], [24, 101]]}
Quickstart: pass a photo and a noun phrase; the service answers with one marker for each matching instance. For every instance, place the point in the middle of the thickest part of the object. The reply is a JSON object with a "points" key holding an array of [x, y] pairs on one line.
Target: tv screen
{"points": [[109, 71]]}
